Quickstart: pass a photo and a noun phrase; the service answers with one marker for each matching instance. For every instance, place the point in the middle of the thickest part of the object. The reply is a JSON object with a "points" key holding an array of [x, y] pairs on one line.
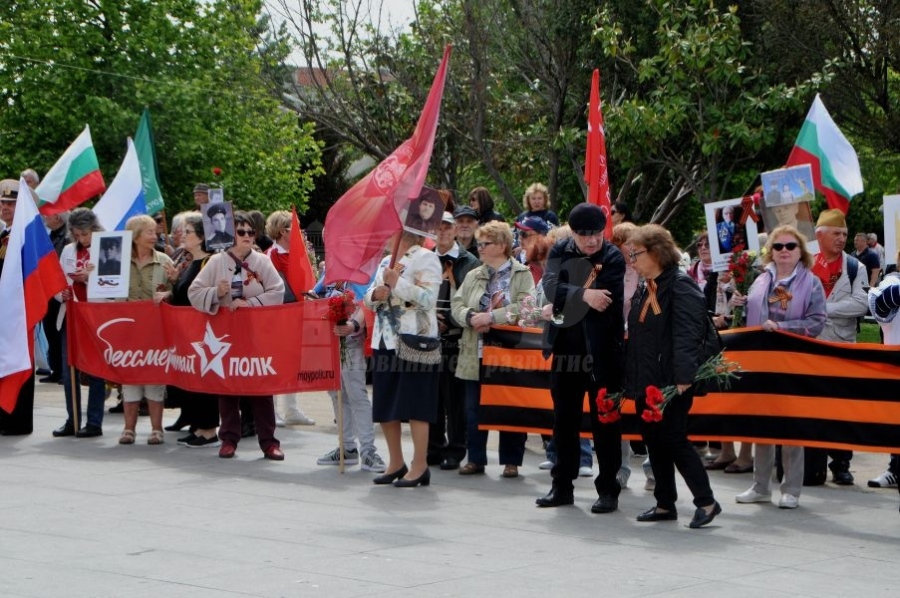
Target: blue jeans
{"points": [[96, 391], [587, 455], [512, 444]]}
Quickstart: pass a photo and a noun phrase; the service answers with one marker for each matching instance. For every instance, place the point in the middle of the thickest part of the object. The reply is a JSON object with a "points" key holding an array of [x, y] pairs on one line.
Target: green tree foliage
{"points": [[206, 70]]}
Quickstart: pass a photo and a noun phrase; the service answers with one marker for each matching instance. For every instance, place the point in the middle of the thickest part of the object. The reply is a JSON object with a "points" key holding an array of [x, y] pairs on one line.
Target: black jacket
{"points": [[464, 263], [665, 349], [584, 330]]}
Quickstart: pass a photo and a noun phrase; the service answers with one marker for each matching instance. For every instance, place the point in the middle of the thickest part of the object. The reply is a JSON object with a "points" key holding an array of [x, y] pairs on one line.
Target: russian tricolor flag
{"points": [[125, 196], [31, 276]]}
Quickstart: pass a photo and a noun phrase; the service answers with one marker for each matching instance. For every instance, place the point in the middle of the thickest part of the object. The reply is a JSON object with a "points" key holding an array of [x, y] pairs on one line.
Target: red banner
{"points": [[256, 351]]}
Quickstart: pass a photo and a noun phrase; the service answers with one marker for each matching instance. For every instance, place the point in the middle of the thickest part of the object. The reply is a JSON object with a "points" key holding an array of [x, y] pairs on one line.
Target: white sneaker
{"points": [[298, 418], [885, 480], [279, 421], [546, 465], [650, 484], [751, 496], [788, 501], [585, 472], [372, 462], [351, 457], [622, 477]]}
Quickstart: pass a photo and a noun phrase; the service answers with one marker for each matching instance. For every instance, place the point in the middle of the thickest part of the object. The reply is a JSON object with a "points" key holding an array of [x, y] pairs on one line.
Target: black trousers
{"points": [[669, 449], [199, 410], [54, 339], [21, 420], [447, 435], [568, 389]]}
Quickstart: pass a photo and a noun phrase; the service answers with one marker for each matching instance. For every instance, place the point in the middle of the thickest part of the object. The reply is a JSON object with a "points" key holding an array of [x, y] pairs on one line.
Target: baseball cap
{"points": [[465, 211], [535, 224]]}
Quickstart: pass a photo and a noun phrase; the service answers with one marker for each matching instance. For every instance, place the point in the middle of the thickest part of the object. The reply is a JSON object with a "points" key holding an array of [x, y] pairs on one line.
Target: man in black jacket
{"points": [[447, 435], [584, 278]]}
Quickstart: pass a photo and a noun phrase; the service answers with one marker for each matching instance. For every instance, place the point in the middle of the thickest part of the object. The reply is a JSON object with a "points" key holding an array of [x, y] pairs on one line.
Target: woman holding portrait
{"points": [[241, 278], [666, 327], [488, 295], [786, 296], [404, 299]]}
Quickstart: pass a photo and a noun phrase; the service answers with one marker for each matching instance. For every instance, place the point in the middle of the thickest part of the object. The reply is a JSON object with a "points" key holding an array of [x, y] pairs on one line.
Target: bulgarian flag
{"points": [[74, 179], [834, 163]]}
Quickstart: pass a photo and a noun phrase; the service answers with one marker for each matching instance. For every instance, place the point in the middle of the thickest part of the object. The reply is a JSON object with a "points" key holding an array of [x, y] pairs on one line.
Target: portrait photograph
{"points": [[788, 185], [891, 228], [723, 221], [798, 215], [218, 222], [216, 195], [423, 217], [111, 258]]}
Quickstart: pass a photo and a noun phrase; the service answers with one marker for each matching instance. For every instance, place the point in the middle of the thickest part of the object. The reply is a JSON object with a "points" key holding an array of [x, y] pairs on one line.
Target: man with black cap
{"points": [[447, 435], [466, 225], [201, 195], [220, 237], [584, 278], [21, 420]]}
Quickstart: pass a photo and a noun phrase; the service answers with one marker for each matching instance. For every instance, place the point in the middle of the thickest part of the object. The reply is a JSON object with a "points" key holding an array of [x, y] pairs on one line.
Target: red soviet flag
{"points": [[299, 273], [595, 173], [360, 223]]}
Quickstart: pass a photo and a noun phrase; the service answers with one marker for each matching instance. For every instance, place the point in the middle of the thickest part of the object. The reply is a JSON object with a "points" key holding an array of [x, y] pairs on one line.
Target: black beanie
{"points": [[587, 218]]}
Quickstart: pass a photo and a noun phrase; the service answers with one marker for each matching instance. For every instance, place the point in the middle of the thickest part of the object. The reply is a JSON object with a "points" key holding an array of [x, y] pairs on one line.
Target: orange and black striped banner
{"points": [[793, 390]]}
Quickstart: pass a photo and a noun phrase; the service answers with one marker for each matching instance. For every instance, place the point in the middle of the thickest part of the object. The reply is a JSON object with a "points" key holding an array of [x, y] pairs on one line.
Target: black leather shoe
{"points": [[701, 517], [605, 504], [655, 514], [449, 464], [555, 498], [177, 426], [432, 460], [89, 432], [67, 429], [390, 478], [840, 473], [422, 480]]}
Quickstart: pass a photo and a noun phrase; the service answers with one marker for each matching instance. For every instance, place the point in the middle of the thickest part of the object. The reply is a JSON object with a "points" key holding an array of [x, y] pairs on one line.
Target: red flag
{"points": [[595, 173], [360, 223], [299, 273]]}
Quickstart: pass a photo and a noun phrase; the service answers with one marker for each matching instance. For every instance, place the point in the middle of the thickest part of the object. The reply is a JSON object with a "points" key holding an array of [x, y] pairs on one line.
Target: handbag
{"points": [[415, 348]]}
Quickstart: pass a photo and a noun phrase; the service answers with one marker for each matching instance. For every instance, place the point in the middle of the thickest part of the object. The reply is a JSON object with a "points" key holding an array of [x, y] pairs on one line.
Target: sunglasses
{"points": [[245, 232], [702, 243], [789, 246], [483, 244]]}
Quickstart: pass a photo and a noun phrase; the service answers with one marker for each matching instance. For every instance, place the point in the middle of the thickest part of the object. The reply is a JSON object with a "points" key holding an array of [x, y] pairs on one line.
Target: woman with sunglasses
{"points": [[237, 279], [786, 296]]}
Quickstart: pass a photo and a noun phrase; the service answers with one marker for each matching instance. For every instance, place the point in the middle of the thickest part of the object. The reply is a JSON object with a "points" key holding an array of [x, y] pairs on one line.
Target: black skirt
{"points": [[403, 391]]}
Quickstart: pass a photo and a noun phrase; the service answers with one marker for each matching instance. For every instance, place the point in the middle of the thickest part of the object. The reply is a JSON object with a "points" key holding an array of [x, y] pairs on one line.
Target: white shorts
{"points": [[153, 392]]}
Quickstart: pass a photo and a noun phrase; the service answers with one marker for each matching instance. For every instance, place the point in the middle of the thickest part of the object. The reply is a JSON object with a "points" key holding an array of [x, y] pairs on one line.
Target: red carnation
{"points": [[217, 171], [654, 396]]}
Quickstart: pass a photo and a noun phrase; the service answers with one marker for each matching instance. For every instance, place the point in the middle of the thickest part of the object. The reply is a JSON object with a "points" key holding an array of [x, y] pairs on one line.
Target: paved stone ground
{"points": [[90, 518]]}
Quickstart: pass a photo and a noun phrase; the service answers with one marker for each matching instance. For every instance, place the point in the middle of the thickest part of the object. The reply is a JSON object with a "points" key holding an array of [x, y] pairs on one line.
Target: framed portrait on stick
{"points": [[891, 228], [111, 257], [730, 225], [787, 193], [218, 224], [424, 214]]}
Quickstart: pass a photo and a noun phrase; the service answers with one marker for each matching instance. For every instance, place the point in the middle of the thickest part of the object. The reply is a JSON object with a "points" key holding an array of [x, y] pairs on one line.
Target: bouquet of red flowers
{"points": [[716, 368], [740, 265], [609, 407], [340, 308]]}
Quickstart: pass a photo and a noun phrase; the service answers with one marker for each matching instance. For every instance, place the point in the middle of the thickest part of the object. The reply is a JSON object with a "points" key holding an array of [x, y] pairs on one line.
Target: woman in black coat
{"points": [[666, 328]]}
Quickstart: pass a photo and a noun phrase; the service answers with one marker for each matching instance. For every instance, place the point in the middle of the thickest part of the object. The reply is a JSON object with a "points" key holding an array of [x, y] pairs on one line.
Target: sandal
{"points": [[510, 471], [471, 469], [156, 437], [127, 437]]}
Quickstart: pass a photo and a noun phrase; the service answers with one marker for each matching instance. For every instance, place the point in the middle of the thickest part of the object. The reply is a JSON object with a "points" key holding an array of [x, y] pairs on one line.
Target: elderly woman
{"points": [[666, 325], [199, 411], [278, 228], [404, 299], [786, 296], [75, 261], [536, 202], [151, 274], [488, 295], [241, 278]]}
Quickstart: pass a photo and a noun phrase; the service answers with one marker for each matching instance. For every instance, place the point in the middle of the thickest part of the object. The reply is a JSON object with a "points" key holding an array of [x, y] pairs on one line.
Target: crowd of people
{"points": [[618, 316]]}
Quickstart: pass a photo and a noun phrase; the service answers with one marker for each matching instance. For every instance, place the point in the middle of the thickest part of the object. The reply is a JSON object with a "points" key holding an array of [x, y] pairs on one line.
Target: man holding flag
{"points": [[30, 275]]}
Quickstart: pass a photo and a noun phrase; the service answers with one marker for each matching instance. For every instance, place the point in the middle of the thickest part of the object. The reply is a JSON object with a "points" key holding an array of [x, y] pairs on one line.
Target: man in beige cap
{"points": [[845, 301], [9, 192]]}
